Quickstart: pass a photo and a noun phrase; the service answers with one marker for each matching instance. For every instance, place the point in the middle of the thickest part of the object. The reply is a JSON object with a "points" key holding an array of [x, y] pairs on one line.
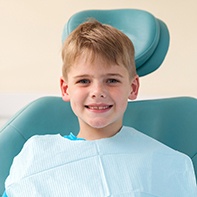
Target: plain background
{"points": [[30, 47]]}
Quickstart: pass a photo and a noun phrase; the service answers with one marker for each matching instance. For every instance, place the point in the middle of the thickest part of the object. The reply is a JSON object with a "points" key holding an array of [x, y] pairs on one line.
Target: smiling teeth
{"points": [[98, 107]]}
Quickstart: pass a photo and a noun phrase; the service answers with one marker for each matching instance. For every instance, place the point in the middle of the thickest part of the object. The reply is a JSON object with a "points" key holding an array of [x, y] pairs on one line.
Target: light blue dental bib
{"points": [[129, 164]]}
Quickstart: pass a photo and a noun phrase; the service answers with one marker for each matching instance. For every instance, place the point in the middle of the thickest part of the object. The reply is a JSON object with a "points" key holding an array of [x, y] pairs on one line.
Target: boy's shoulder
{"points": [[39, 143], [144, 143], [137, 139]]}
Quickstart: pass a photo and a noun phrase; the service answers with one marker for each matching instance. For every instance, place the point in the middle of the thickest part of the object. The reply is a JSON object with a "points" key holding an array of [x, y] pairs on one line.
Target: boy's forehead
{"points": [[85, 66], [91, 58]]}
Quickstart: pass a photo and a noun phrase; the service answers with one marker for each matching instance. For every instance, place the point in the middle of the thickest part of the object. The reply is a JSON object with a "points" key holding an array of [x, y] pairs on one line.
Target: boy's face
{"points": [[98, 93]]}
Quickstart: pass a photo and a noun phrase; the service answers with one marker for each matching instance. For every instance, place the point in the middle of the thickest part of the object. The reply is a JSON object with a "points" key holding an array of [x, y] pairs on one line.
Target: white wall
{"points": [[30, 45]]}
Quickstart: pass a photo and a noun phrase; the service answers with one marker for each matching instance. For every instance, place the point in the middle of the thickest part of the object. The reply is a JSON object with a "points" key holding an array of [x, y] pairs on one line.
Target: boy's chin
{"points": [[98, 125], [104, 125]]}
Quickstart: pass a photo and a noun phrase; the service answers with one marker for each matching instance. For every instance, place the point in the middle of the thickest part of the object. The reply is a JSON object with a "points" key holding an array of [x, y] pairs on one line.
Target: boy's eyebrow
{"points": [[81, 76], [114, 75], [106, 75]]}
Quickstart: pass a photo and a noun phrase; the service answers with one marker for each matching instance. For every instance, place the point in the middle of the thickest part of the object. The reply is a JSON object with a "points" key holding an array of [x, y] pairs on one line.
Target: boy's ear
{"points": [[64, 89], [134, 88]]}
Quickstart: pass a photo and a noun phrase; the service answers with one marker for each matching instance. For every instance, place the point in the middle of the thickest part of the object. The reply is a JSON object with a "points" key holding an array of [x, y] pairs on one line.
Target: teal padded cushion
{"points": [[149, 35], [171, 121]]}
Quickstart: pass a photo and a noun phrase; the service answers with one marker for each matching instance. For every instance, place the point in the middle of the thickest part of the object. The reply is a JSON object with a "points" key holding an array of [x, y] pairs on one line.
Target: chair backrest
{"points": [[171, 121]]}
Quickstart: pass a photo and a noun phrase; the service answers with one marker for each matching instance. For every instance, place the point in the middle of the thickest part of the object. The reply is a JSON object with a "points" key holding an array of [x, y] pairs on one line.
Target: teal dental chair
{"points": [[171, 121]]}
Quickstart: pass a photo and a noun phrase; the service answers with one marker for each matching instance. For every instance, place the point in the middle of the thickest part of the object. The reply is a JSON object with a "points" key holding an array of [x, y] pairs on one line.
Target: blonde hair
{"points": [[95, 39]]}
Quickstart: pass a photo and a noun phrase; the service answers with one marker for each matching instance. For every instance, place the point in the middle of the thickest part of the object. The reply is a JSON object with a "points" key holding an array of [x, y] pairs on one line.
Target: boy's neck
{"points": [[89, 133]]}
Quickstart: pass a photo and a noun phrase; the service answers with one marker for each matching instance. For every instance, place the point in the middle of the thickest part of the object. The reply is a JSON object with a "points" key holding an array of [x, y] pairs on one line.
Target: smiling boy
{"points": [[99, 77], [106, 158]]}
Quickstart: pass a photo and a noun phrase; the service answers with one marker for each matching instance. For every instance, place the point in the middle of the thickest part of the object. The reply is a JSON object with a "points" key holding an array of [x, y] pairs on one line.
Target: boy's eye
{"points": [[112, 81], [83, 81]]}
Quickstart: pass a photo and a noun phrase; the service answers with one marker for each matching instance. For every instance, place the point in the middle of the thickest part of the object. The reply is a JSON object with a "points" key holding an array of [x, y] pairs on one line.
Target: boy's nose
{"points": [[98, 95], [98, 91]]}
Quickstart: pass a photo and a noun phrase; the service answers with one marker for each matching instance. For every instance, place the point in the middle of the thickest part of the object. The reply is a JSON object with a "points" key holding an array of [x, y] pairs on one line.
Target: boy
{"points": [[106, 158]]}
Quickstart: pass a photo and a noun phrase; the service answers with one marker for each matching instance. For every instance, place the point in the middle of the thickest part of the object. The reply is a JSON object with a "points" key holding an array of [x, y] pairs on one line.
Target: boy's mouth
{"points": [[98, 107]]}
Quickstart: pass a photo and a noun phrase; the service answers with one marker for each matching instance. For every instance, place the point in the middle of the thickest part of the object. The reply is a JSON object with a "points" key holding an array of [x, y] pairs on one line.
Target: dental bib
{"points": [[129, 164]]}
